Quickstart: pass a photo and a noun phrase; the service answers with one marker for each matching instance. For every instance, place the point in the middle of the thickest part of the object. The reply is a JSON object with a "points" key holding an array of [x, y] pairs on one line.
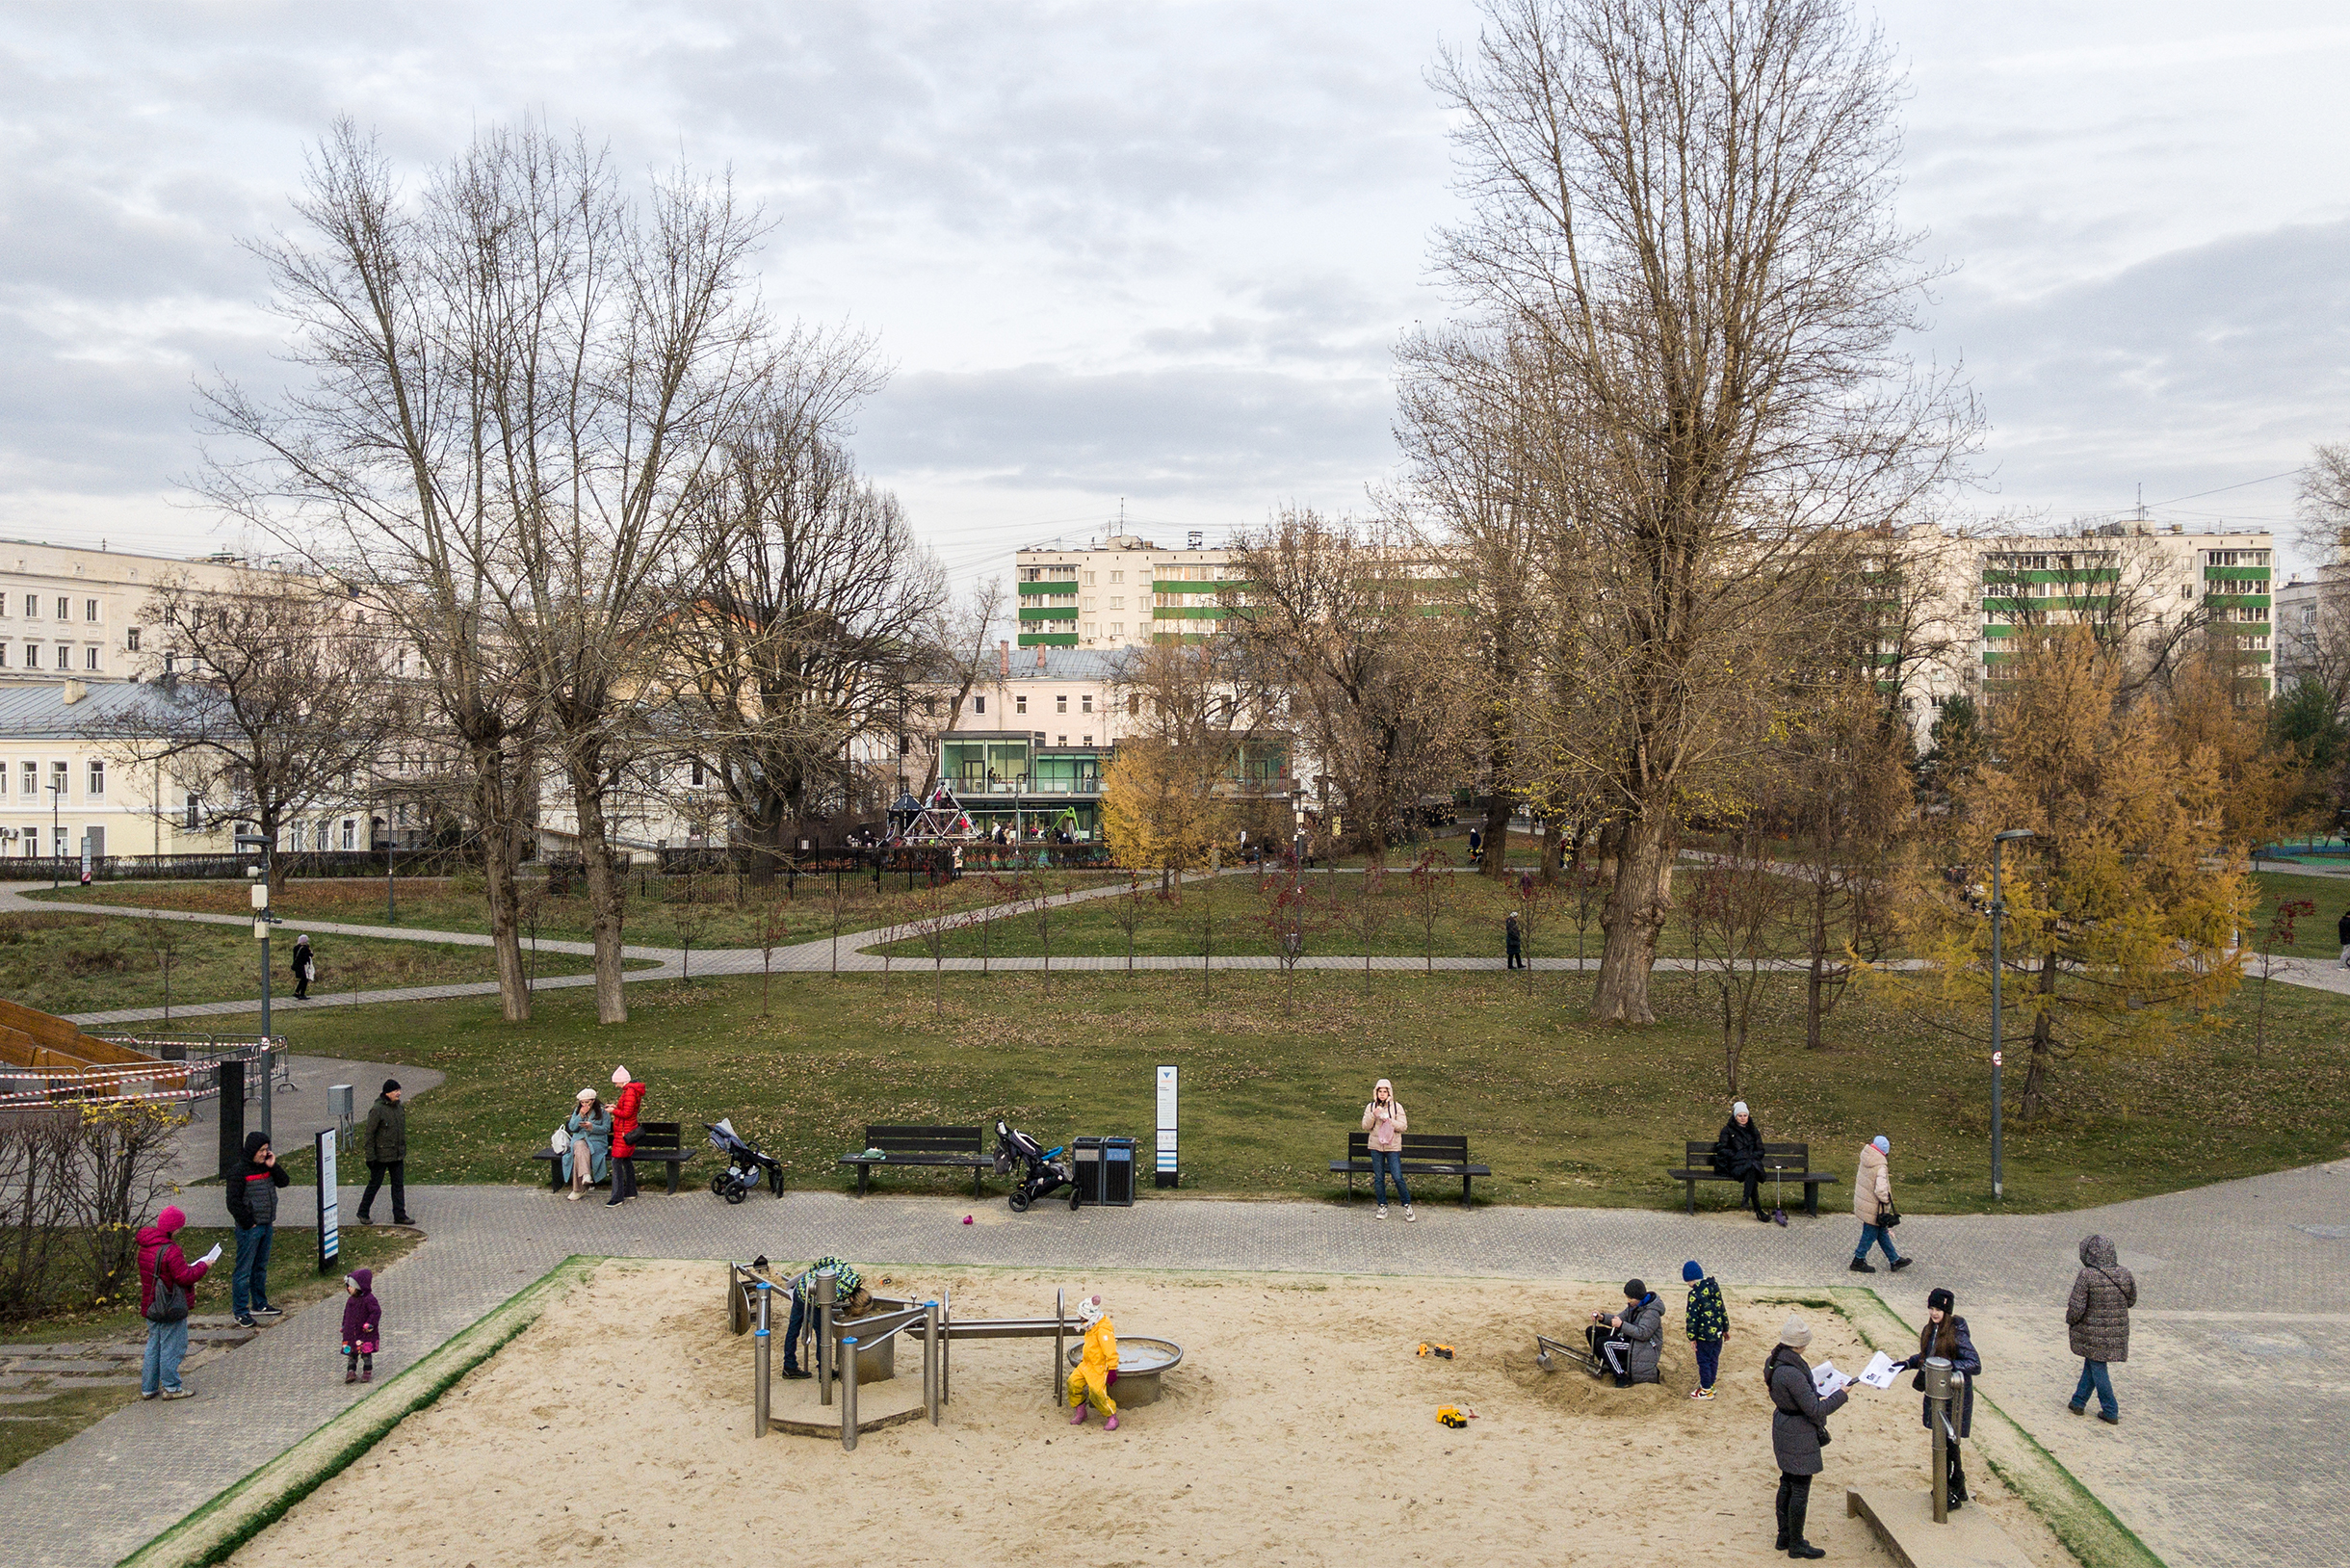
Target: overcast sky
{"points": [[1161, 253]]}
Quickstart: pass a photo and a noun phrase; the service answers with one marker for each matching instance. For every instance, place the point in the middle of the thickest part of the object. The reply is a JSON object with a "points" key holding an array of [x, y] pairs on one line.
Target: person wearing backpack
{"points": [[167, 1283]]}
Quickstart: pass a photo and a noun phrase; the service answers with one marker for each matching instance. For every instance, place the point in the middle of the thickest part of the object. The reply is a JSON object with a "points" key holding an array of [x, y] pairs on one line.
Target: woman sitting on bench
{"points": [[1738, 1154]]}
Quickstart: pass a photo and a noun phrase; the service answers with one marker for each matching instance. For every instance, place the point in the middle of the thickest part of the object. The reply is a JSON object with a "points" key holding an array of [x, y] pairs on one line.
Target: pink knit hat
{"points": [[171, 1220]]}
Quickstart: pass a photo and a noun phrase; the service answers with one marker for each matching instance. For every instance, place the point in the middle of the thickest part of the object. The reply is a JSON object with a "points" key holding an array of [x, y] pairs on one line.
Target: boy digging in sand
{"points": [[1098, 1368]]}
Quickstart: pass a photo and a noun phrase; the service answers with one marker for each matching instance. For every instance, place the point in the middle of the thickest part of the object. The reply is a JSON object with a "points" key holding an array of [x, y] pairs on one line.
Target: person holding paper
{"points": [[1798, 1429], [166, 1285], [1946, 1335]]}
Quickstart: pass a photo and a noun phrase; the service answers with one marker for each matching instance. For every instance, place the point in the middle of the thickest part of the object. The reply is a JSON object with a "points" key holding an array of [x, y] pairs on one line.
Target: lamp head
{"points": [[2012, 834]]}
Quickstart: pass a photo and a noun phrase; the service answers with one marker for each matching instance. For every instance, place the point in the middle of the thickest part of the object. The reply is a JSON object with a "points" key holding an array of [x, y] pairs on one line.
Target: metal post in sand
{"points": [[827, 1286], [763, 1360], [849, 1393]]}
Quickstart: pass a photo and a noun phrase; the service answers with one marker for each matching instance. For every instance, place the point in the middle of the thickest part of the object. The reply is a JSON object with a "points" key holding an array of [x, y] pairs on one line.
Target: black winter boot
{"points": [[1780, 1545], [1797, 1507]]}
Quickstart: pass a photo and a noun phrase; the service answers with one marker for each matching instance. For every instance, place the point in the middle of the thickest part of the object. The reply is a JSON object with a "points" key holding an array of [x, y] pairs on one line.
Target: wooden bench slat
{"points": [[1424, 1154], [660, 1140], [922, 1146], [1782, 1162]]}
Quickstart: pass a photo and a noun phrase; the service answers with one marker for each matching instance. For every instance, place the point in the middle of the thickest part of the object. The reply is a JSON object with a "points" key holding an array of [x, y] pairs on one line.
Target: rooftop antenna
{"points": [[2141, 501]]}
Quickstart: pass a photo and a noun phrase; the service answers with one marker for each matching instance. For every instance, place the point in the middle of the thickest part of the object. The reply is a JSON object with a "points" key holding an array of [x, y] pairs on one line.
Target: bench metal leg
{"points": [[1465, 1181], [1811, 1199], [674, 1165], [864, 1175], [555, 1175], [975, 1181], [1690, 1206]]}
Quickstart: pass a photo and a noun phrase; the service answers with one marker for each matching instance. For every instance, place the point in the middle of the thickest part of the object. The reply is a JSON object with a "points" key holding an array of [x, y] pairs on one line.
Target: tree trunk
{"points": [[1637, 908], [1816, 982], [602, 890], [1550, 851], [496, 807], [1497, 810], [2042, 1062]]}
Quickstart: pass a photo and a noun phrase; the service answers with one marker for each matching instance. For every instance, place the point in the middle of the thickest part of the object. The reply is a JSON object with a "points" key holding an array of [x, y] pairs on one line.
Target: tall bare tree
{"points": [[277, 701], [1687, 206], [960, 656]]}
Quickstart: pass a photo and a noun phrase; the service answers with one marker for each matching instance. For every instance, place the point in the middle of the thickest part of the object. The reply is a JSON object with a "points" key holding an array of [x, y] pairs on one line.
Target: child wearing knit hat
{"points": [[1708, 1325]]}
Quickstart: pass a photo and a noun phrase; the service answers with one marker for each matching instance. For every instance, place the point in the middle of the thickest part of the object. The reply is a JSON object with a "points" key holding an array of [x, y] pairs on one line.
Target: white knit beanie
{"points": [[620, 1077]]}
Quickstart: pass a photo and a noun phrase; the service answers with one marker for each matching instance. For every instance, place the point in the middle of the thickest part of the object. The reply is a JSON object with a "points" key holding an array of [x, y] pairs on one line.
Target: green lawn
{"points": [[716, 911], [2315, 936], [1566, 1112], [1240, 914], [71, 963]]}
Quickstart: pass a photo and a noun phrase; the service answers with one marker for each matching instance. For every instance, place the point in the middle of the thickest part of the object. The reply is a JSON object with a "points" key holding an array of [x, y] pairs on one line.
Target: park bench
{"points": [[1781, 1162], [922, 1146], [654, 1140], [1424, 1154]]}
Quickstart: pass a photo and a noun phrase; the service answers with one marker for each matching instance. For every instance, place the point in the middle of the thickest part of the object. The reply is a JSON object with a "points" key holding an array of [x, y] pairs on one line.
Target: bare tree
{"points": [[960, 653], [277, 701], [1685, 209], [1737, 914]]}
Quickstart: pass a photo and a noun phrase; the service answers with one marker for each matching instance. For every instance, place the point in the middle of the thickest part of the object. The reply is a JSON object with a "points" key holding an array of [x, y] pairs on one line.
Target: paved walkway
{"points": [[2234, 1398]]}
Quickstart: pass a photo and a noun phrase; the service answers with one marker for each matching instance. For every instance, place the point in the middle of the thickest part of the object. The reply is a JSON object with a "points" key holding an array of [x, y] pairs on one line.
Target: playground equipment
{"points": [[1547, 1349], [850, 1350]]}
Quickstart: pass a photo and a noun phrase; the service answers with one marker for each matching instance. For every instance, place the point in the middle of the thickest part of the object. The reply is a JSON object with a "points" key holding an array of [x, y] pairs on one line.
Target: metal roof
{"points": [[42, 713], [1067, 663]]}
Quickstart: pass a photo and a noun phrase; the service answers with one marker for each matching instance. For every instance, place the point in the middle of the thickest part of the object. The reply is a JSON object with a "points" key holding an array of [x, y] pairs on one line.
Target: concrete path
{"points": [[2234, 1398]]}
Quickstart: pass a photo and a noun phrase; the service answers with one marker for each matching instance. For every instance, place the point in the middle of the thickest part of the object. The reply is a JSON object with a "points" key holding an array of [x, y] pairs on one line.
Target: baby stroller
{"points": [[744, 1164], [1041, 1172]]}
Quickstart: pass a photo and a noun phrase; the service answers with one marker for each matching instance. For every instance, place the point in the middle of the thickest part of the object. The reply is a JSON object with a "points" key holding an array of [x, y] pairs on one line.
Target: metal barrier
{"points": [[185, 1071], [1938, 1416]]}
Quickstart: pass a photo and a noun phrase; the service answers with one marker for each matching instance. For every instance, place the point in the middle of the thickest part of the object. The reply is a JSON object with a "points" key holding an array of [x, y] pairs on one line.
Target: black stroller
{"points": [[744, 1164], [1041, 1172]]}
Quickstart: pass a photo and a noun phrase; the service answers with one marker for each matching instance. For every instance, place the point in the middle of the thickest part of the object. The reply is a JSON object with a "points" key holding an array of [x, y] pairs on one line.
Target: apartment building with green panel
{"points": [[1123, 591], [2158, 583]]}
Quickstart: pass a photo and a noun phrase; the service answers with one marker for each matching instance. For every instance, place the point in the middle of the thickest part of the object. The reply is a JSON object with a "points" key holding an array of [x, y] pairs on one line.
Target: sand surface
{"points": [[1300, 1429]]}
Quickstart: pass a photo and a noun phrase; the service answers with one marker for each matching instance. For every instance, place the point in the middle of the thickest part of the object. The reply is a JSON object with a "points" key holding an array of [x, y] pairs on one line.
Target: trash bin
{"points": [[1106, 1171]]}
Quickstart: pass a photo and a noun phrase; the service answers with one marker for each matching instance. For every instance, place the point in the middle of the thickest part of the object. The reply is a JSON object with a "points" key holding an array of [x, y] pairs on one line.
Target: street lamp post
{"points": [[1998, 913], [262, 921], [57, 831]]}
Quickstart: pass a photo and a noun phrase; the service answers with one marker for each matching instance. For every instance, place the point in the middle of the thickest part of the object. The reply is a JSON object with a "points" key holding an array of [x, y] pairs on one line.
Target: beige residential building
{"points": [[1124, 592], [69, 610]]}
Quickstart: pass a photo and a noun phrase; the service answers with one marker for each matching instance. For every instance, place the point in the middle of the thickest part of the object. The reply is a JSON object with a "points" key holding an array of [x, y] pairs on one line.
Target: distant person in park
{"points": [[362, 1326], [2342, 930], [1706, 1320], [252, 1196], [385, 1143], [1872, 1202], [1737, 1153], [1513, 939], [850, 1298], [623, 1130], [167, 1283], [2099, 1313], [1476, 847], [590, 1146], [1097, 1364], [1946, 1335], [304, 965], [1798, 1426], [1630, 1341], [1386, 1123]]}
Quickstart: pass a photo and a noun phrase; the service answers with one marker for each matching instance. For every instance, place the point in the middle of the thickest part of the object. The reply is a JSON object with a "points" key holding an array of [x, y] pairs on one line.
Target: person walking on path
{"points": [[2099, 1312], [362, 1326], [1386, 1123], [591, 1147], [623, 1130], [2342, 930], [306, 967], [1513, 939], [1798, 1426], [385, 1143], [1737, 1153], [252, 1198], [165, 1274], [1707, 1322], [1872, 1204], [1946, 1335]]}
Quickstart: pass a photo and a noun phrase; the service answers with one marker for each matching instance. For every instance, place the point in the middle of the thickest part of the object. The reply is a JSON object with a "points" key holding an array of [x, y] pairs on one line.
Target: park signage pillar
{"points": [[330, 1204], [1167, 1170], [1998, 914]]}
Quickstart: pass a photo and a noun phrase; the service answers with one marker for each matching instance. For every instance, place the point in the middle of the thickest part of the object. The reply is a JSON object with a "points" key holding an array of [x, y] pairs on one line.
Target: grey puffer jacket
{"points": [[1644, 1327], [1798, 1414], [2098, 1310]]}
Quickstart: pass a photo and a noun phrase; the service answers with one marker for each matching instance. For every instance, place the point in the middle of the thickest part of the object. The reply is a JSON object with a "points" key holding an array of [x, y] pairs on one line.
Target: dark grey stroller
{"points": [[744, 1164]]}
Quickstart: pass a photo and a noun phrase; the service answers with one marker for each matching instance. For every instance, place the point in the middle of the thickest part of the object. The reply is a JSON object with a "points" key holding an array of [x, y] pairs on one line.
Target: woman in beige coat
{"points": [[1872, 1194]]}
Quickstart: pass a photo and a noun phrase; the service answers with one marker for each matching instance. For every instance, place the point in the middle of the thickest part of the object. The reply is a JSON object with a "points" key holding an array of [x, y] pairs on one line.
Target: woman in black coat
{"points": [[1798, 1427], [1946, 1335], [1738, 1152]]}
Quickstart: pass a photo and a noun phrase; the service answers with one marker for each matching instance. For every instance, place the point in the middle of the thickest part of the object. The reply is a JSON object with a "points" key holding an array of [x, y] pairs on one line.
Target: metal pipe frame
{"points": [[827, 1289], [764, 1360], [1938, 1416], [848, 1393]]}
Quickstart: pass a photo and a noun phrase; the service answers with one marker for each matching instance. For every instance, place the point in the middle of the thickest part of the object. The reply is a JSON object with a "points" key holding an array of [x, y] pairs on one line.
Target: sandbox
{"points": [[1301, 1429]]}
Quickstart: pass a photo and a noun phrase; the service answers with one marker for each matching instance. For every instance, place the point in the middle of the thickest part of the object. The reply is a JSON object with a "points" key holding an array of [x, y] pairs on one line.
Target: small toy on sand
{"points": [[1098, 1368]]}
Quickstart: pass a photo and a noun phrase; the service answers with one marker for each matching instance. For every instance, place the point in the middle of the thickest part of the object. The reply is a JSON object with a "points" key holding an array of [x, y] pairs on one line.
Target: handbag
{"points": [[170, 1303], [560, 1142], [1887, 1216]]}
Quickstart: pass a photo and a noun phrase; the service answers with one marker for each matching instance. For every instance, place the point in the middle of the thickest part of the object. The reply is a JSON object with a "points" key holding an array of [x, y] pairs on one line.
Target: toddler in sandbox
{"points": [[362, 1326], [1097, 1367]]}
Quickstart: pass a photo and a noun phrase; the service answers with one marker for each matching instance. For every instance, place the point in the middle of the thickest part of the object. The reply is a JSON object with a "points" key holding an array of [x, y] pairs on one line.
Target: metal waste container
{"points": [[1106, 1171]]}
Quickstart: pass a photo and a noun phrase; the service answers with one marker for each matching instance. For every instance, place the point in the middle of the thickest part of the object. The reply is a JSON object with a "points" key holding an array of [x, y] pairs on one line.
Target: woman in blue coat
{"points": [[590, 1129], [1946, 1335]]}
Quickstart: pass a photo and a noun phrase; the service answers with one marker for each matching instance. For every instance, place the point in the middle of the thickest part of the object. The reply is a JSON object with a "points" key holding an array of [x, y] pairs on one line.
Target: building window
{"points": [[1020, 703], [60, 775], [98, 780], [695, 772], [1086, 739], [1117, 577], [89, 656], [1060, 703], [351, 832], [3, 655], [978, 705], [1116, 603], [1089, 579], [131, 639], [1134, 706], [1093, 631], [65, 608], [89, 609], [195, 812], [1085, 704], [929, 707], [32, 779], [32, 656], [170, 661], [32, 606], [56, 841], [1060, 740], [64, 655]]}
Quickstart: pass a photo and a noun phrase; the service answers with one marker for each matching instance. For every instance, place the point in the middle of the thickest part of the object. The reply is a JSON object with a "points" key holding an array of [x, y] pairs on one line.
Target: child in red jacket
{"points": [[623, 1163], [362, 1326]]}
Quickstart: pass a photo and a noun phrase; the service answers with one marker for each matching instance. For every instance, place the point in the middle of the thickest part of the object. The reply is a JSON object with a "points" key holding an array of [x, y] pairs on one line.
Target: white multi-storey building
{"points": [[1123, 592]]}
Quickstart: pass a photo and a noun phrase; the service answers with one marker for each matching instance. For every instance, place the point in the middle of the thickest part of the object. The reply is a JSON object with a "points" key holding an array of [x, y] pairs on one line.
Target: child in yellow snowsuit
{"points": [[1091, 1377]]}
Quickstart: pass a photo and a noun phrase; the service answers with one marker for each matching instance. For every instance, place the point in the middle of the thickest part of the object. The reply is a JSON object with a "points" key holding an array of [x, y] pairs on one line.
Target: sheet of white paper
{"points": [[1826, 1380], [212, 1257], [1880, 1372]]}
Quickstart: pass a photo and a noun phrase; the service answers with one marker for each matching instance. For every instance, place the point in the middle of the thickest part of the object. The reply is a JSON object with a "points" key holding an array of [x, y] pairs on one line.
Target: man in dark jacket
{"points": [[386, 1144], [2342, 930], [252, 1197], [306, 967], [1513, 939], [2098, 1314]]}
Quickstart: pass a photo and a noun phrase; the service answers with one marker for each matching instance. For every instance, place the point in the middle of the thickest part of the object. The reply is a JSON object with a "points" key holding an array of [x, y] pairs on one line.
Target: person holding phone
{"points": [[251, 1200], [1386, 1123]]}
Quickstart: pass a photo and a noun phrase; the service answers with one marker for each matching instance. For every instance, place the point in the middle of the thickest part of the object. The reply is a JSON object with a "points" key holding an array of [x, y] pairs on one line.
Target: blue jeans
{"points": [[1708, 1361], [2094, 1376], [1386, 1163], [251, 1287], [167, 1345], [1880, 1236]]}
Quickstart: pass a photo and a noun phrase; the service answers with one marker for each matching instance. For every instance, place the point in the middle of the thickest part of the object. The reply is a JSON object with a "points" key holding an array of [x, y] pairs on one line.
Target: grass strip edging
{"points": [[219, 1528], [2082, 1523]]}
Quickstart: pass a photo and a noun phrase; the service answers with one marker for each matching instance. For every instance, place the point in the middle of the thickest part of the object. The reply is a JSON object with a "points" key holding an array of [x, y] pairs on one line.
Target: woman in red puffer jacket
{"points": [[162, 1264], [624, 1111]]}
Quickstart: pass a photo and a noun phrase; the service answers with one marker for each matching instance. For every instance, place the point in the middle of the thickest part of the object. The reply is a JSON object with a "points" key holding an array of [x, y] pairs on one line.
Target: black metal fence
{"points": [[300, 863]]}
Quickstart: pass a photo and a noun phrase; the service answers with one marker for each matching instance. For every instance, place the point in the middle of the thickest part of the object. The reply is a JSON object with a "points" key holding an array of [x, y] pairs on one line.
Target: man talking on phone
{"points": [[253, 1204]]}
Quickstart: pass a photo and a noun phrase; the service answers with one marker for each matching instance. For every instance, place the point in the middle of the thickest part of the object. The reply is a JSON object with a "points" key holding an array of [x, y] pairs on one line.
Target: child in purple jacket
{"points": [[362, 1326]]}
